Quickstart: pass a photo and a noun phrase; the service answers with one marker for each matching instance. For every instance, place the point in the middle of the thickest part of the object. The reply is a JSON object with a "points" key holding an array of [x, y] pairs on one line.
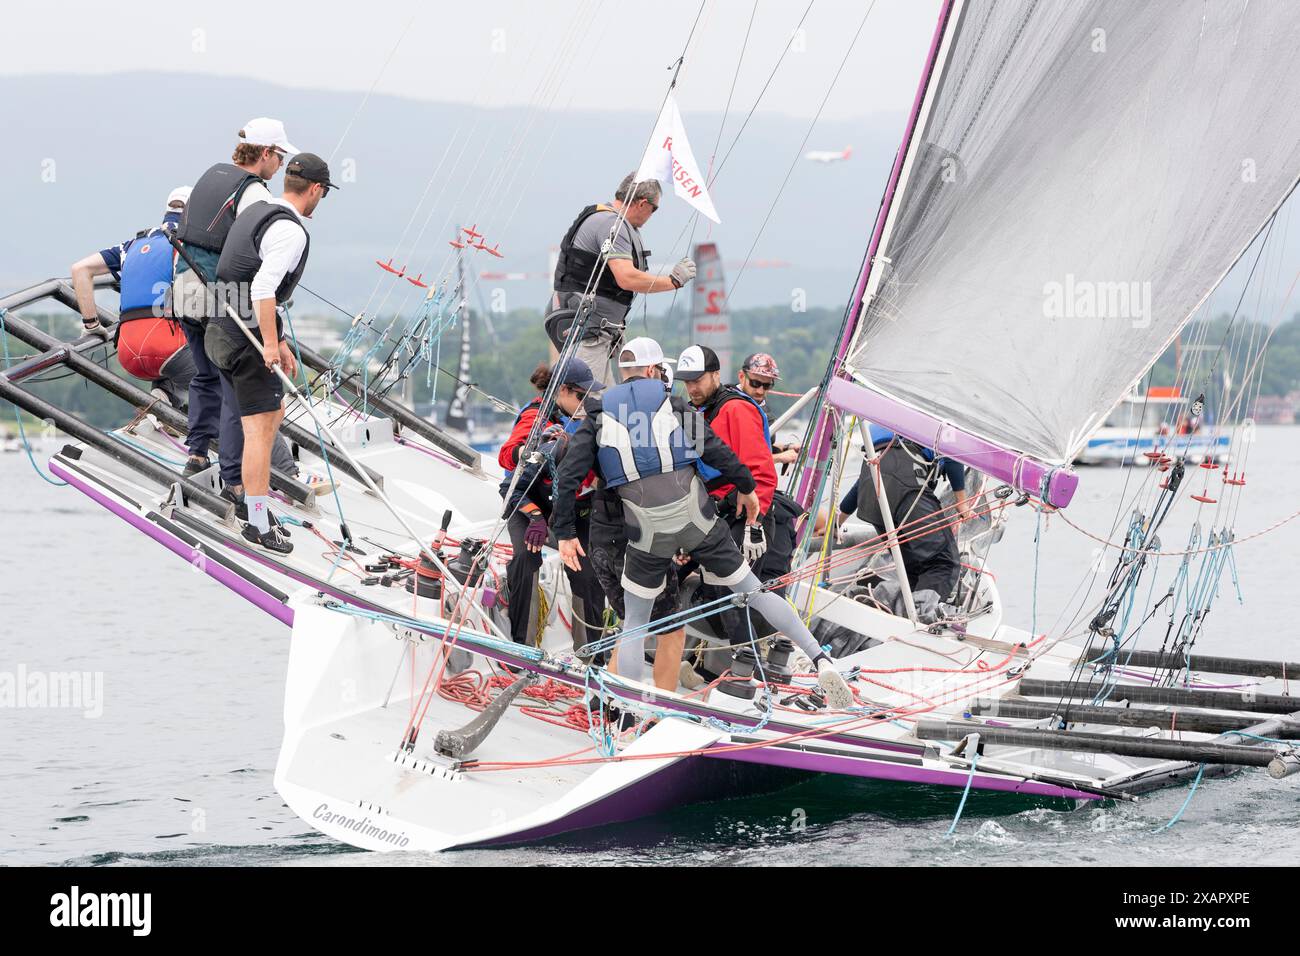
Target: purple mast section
{"points": [[822, 434]]}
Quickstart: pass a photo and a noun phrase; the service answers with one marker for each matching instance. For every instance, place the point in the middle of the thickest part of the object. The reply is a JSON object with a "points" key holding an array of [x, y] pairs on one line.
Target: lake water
{"points": [[178, 767]]}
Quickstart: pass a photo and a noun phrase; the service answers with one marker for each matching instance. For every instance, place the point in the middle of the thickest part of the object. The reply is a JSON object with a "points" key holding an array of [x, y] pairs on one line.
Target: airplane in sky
{"points": [[829, 156]]}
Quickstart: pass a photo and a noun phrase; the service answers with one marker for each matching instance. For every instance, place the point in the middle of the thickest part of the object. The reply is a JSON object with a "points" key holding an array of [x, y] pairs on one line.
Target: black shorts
{"points": [[257, 388]]}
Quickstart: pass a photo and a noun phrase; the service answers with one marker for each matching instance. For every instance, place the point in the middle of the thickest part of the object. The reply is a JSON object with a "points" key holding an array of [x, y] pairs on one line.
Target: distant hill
{"points": [[119, 143]]}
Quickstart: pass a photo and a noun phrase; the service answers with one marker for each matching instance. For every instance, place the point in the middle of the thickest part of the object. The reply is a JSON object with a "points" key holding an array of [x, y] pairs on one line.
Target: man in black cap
{"points": [[263, 259]]}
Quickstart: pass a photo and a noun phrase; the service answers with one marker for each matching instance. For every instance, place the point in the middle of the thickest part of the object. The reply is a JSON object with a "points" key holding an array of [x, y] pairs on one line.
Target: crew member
{"points": [[609, 540], [530, 503], [602, 254], [646, 444], [909, 474], [262, 260], [222, 193], [739, 420], [150, 345], [758, 374]]}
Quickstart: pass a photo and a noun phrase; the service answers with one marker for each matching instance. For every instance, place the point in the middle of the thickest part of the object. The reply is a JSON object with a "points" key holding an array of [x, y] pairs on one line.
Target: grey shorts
{"points": [[718, 556], [608, 544]]}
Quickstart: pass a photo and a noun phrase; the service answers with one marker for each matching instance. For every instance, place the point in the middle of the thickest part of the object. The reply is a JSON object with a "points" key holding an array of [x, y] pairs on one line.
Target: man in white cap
{"points": [[149, 344], [220, 195]]}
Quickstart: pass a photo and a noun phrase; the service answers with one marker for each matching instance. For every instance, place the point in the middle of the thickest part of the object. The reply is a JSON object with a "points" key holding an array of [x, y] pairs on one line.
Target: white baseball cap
{"points": [[645, 351], [180, 194], [267, 132]]}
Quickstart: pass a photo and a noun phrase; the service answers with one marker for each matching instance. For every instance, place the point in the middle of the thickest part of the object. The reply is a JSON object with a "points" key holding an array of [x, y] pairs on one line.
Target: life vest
{"points": [[710, 410], [212, 206], [905, 472], [570, 426], [146, 276], [241, 256], [575, 267], [639, 434]]}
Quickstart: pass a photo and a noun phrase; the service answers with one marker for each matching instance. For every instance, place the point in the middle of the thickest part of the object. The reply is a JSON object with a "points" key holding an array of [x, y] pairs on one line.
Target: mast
{"points": [[824, 427], [458, 407]]}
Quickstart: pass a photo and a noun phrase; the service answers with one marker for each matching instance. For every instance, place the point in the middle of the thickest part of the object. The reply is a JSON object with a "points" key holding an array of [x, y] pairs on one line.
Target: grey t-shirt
{"points": [[591, 235]]}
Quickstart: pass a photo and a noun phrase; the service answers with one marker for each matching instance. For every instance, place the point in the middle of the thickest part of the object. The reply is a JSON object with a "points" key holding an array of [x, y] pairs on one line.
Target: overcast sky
{"points": [[594, 54]]}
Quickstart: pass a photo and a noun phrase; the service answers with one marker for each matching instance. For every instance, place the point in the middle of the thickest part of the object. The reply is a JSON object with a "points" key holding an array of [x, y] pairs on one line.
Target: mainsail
{"points": [[710, 321], [1081, 176]]}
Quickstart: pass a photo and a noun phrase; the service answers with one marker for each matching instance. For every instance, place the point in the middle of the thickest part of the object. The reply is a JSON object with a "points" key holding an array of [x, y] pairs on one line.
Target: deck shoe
{"points": [[836, 689], [195, 464], [276, 540]]}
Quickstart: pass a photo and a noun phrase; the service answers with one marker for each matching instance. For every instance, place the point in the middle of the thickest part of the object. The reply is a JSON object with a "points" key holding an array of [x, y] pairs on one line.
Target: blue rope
{"points": [[325, 455], [1191, 793], [974, 762], [18, 418]]}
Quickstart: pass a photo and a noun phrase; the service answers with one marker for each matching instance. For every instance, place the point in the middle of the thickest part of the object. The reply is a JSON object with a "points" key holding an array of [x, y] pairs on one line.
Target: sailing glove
{"points": [[683, 272], [536, 533], [755, 543]]}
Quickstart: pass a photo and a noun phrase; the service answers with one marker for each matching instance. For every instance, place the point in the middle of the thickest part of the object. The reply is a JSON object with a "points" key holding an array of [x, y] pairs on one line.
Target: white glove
{"points": [[683, 272], [755, 543]]}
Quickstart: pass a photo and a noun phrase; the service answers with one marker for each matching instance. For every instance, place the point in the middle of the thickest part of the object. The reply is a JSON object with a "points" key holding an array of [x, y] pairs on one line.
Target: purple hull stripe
{"points": [[1024, 473], [215, 569], [905, 773]]}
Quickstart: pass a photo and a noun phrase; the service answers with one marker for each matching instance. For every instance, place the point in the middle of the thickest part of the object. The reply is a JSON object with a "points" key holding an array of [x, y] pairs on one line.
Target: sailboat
{"points": [[1100, 140]]}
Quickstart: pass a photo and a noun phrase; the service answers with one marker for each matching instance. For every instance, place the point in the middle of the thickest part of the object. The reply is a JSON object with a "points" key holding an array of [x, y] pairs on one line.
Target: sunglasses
{"points": [[654, 206], [754, 383]]}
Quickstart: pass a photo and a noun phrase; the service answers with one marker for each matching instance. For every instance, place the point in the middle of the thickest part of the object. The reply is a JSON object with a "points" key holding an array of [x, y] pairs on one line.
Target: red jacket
{"points": [[508, 456], [740, 425]]}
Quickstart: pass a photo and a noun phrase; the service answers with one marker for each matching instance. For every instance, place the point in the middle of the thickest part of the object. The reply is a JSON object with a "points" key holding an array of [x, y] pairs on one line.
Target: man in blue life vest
{"points": [[602, 254], [262, 260], [222, 193], [149, 342], [607, 543], [927, 541], [646, 444]]}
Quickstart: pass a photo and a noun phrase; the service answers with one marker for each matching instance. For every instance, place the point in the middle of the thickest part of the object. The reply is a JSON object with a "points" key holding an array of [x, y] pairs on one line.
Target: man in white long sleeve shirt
{"points": [[223, 192], [263, 258]]}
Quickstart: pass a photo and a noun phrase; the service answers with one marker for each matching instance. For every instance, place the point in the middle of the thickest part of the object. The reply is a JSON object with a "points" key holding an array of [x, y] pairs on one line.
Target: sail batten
{"points": [[1085, 176]]}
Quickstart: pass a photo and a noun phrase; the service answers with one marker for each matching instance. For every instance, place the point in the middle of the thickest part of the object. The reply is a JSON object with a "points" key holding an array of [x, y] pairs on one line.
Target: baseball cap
{"points": [[695, 361], [645, 351], [311, 168], [180, 194], [577, 373], [267, 132], [760, 363]]}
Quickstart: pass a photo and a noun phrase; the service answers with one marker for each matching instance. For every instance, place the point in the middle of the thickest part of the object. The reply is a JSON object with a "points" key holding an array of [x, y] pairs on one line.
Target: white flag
{"points": [[669, 159]]}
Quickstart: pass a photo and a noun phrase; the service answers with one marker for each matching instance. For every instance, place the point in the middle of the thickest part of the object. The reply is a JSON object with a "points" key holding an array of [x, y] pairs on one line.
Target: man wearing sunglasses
{"points": [[758, 376], [219, 196], [602, 254]]}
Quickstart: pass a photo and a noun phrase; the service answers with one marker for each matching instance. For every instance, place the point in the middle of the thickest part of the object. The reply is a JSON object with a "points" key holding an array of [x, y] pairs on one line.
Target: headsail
{"points": [[710, 321], [1083, 176]]}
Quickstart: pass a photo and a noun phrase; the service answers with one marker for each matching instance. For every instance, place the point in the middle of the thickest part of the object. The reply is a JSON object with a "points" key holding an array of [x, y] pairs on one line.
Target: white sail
{"points": [[1084, 176]]}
